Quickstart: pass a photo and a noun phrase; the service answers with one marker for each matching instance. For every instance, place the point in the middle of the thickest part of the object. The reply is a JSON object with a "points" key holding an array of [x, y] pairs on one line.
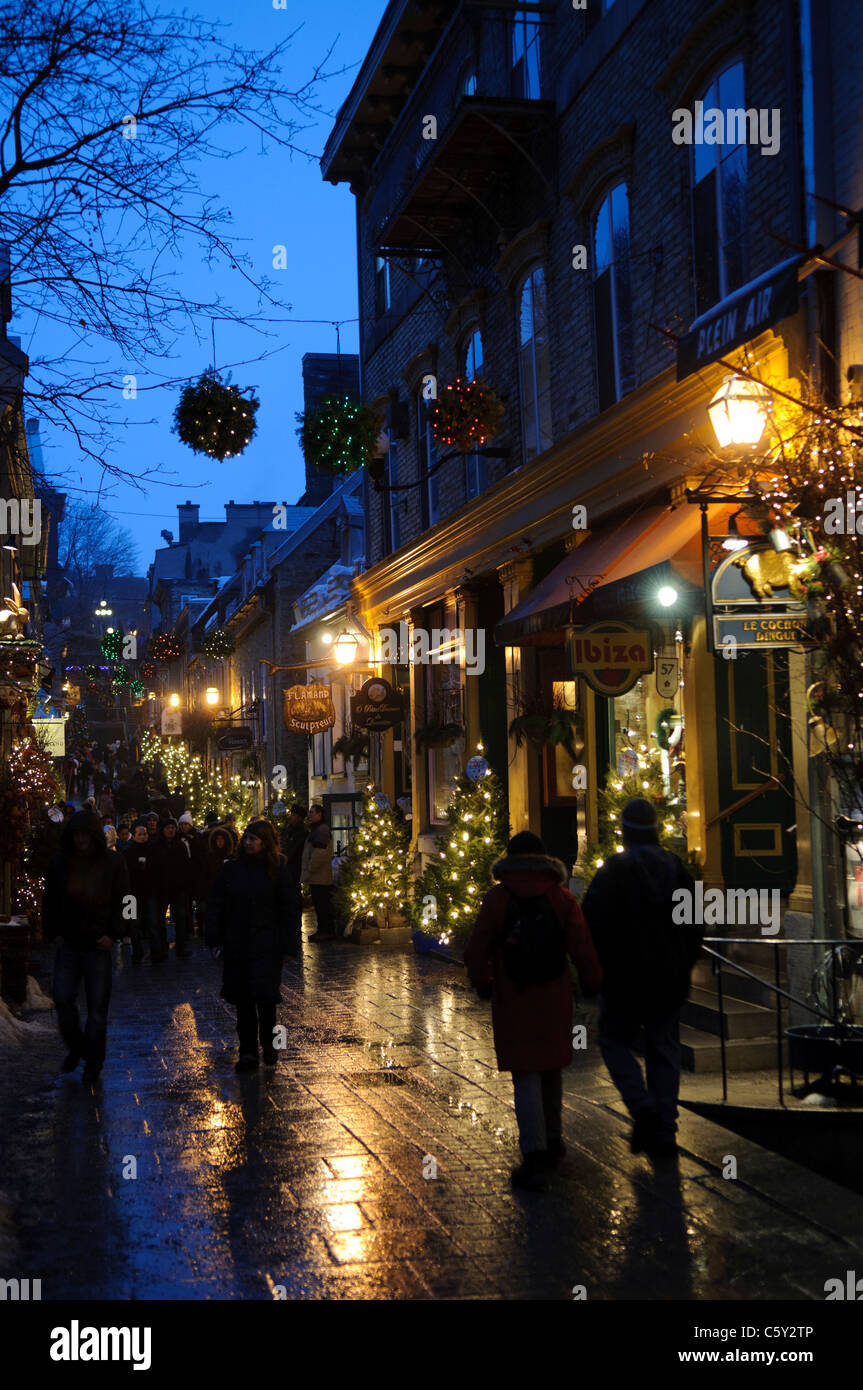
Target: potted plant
{"points": [[353, 746], [558, 727]]}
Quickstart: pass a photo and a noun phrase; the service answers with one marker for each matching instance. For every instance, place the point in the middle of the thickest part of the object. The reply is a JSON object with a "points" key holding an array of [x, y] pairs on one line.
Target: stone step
{"points": [[701, 1052], [742, 1018], [740, 986]]}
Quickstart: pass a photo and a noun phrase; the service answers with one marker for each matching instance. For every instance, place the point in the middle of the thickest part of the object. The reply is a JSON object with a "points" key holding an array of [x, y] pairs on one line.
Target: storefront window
{"points": [[647, 737]]}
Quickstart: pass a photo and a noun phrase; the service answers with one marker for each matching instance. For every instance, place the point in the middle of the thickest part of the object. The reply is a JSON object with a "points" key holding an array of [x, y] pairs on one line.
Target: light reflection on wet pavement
{"points": [[312, 1180]]}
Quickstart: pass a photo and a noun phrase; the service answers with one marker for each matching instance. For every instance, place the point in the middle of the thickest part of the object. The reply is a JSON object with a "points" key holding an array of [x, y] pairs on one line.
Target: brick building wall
{"points": [[615, 81]]}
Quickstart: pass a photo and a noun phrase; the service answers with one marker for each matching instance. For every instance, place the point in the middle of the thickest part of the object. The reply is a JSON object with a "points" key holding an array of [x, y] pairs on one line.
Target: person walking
{"points": [[293, 842], [316, 869], [218, 849], [82, 911], [172, 869], [142, 884], [527, 926], [253, 922], [194, 845], [647, 961]]}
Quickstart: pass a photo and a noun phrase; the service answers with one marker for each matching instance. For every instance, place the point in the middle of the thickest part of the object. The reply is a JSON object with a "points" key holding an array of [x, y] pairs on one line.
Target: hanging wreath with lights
{"points": [[339, 435], [466, 415], [165, 647], [215, 418], [112, 646], [91, 672], [148, 669], [218, 644], [121, 676], [137, 688]]}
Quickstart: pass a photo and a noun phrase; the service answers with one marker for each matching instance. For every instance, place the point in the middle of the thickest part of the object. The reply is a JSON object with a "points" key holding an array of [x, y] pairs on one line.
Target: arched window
{"points": [[612, 298], [476, 474], [534, 364], [719, 200]]}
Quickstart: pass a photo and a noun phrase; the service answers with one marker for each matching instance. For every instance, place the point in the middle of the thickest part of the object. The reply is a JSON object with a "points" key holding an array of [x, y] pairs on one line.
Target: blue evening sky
{"points": [[273, 199]]}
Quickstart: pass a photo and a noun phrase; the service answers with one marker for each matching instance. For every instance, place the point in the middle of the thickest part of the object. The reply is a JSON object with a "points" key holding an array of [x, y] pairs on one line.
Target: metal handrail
{"points": [[776, 989]]}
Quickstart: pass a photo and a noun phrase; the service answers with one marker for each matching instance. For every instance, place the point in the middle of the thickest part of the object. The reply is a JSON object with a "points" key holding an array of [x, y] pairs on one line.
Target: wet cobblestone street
{"points": [[314, 1177]]}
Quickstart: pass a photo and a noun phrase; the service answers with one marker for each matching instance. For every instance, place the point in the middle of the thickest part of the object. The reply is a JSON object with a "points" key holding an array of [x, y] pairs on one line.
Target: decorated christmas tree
{"points": [[640, 774], [476, 835], [376, 879], [203, 792]]}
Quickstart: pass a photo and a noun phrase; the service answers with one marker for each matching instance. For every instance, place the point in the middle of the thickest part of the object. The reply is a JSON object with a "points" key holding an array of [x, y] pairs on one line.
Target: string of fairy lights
{"points": [[203, 792]]}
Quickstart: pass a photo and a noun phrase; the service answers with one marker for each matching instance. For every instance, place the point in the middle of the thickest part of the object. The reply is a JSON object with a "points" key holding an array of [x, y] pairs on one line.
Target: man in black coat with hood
{"points": [[85, 891], [646, 963]]}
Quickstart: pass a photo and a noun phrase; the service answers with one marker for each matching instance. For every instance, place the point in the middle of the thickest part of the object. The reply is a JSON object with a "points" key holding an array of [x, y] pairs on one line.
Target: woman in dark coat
{"points": [[252, 921], [532, 1021]]}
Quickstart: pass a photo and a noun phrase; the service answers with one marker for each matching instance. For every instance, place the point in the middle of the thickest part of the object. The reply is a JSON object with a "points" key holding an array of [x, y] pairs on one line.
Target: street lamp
{"points": [[667, 596], [345, 648], [174, 700], [739, 411], [211, 695]]}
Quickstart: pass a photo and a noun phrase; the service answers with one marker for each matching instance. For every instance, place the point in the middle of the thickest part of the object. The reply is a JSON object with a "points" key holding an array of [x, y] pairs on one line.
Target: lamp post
{"points": [[739, 411]]}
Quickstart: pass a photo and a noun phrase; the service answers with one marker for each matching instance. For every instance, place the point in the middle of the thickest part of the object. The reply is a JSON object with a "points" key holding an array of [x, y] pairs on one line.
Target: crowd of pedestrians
{"points": [[111, 882], [119, 870]]}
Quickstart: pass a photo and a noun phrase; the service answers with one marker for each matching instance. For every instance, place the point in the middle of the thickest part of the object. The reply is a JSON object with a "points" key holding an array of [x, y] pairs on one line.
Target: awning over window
{"points": [[617, 571]]}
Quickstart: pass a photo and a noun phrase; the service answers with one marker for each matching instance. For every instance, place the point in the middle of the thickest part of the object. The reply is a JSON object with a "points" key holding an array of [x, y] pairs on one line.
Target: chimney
{"points": [[187, 515]]}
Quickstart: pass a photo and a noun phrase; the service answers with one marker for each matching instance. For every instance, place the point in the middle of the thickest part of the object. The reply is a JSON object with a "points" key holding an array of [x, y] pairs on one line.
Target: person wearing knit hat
{"points": [[173, 876], [252, 922], [647, 961], [527, 926]]}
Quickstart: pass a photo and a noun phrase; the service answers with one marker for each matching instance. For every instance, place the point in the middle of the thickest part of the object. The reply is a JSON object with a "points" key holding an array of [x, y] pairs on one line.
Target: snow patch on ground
{"points": [[14, 1030]]}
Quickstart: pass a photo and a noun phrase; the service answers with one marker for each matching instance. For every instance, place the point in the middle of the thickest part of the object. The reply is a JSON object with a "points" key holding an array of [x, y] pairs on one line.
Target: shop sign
{"points": [[666, 677], [309, 709], [234, 740], [759, 574], [609, 656], [760, 629], [739, 317], [377, 705], [172, 722], [52, 736]]}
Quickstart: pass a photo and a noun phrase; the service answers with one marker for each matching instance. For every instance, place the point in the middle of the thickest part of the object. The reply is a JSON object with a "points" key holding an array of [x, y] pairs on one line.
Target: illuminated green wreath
{"points": [[339, 435], [112, 646]]}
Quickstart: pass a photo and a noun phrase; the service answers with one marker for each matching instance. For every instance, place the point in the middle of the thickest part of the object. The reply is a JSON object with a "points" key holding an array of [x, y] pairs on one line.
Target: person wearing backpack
{"points": [[528, 924], [646, 963]]}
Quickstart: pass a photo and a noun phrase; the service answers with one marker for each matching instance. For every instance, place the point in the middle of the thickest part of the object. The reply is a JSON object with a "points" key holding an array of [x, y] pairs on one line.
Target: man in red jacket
{"points": [[527, 926]]}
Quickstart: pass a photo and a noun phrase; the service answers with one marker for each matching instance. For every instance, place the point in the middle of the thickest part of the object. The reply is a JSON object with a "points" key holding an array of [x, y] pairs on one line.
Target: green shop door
{"points": [[754, 745]]}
